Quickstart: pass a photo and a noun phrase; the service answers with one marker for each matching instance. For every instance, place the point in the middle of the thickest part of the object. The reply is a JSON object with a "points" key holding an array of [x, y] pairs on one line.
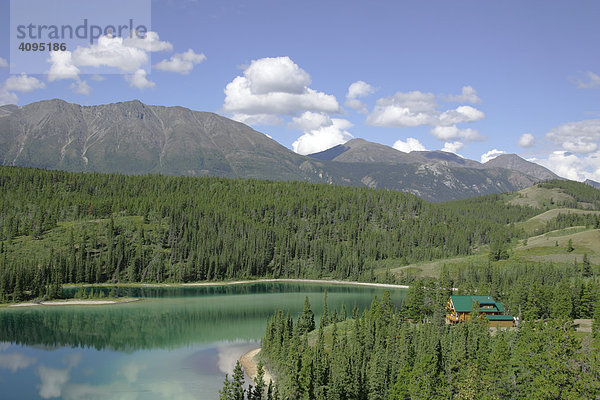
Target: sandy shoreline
{"points": [[73, 302], [289, 280], [251, 366]]}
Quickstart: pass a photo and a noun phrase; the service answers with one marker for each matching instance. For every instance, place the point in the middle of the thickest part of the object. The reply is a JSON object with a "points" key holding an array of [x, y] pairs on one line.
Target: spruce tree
{"points": [[414, 302], [237, 384], [259, 384], [562, 305], [306, 323], [226, 392], [325, 316], [586, 268]]}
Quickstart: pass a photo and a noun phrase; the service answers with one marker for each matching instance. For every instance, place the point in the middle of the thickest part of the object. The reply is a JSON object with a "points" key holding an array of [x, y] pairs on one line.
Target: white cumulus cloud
{"points": [[461, 114], [125, 55], [276, 74], [62, 66], [577, 153], [7, 97], [150, 42], [23, 83], [467, 95], [490, 155], [416, 108], [275, 86], [572, 166], [3, 62], [139, 80], [323, 137], [453, 147], [181, 63], [309, 121], [526, 141], [577, 137], [405, 110], [355, 91], [110, 52], [452, 132], [411, 144], [359, 89], [411, 109]]}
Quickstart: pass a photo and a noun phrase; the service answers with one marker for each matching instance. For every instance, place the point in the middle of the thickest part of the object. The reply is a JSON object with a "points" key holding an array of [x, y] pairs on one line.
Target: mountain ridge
{"points": [[514, 162], [134, 138], [592, 183]]}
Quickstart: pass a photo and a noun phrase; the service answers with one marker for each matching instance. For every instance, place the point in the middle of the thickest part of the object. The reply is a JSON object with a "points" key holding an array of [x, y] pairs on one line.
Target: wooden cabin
{"points": [[460, 308]]}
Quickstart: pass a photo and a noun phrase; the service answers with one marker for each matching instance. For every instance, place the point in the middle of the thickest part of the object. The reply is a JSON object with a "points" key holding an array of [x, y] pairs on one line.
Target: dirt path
{"points": [[251, 366]]}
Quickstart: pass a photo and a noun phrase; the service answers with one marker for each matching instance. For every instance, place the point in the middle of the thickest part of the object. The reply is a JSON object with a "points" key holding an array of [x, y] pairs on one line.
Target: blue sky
{"points": [[465, 76]]}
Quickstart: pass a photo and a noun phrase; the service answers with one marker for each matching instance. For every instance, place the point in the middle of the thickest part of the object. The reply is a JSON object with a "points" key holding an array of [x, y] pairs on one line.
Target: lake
{"points": [[177, 343]]}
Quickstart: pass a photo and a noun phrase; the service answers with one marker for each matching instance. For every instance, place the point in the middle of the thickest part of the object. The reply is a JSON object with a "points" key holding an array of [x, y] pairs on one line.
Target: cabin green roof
{"points": [[500, 317], [465, 303]]}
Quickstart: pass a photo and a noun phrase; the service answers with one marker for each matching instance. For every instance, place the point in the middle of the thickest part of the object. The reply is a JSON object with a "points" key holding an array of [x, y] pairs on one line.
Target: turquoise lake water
{"points": [[176, 343]]}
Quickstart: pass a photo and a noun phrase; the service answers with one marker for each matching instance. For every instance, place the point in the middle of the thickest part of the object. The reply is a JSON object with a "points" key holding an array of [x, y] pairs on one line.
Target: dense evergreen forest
{"points": [[58, 227], [385, 354]]}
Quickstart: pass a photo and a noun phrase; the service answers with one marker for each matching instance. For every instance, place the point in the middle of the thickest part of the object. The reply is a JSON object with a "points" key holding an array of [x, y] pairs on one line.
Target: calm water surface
{"points": [[177, 343]]}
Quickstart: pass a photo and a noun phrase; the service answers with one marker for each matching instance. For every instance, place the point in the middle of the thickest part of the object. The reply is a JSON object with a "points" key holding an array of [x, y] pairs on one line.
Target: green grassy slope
{"points": [[540, 220], [536, 196], [553, 246]]}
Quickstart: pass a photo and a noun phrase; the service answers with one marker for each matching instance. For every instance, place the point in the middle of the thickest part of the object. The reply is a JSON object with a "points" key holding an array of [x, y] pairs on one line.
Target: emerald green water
{"points": [[176, 343]]}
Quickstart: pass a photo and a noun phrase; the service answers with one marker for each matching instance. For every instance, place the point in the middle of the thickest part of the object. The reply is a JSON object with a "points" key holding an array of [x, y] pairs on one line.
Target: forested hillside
{"points": [[410, 354], [383, 355], [59, 227]]}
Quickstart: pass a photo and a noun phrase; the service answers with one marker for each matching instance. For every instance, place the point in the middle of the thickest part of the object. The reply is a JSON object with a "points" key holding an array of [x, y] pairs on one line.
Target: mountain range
{"points": [[134, 138], [592, 183]]}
